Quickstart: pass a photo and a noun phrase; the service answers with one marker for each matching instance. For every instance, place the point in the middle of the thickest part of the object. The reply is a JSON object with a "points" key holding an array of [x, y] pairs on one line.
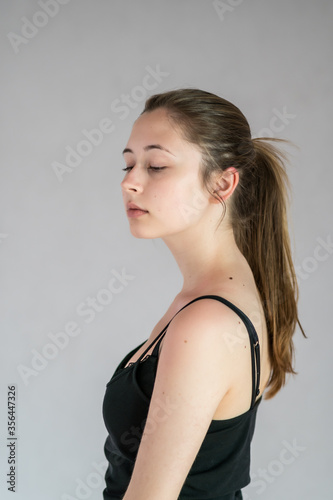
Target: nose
{"points": [[131, 182]]}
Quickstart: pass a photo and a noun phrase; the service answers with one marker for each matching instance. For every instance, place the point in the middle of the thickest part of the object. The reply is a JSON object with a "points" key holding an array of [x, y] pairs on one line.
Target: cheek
{"points": [[183, 202]]}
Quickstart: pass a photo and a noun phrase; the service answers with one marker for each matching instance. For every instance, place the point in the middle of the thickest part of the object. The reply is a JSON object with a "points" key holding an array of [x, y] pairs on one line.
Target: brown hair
{"points": [[258, 207]]}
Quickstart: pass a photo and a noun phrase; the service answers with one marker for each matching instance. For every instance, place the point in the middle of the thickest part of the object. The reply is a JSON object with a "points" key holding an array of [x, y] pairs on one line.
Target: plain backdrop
{"points": [[71, 67]]}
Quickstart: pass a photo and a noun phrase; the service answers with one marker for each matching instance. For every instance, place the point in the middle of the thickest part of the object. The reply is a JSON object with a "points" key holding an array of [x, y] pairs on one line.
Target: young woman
{"points": [[180, 408]]}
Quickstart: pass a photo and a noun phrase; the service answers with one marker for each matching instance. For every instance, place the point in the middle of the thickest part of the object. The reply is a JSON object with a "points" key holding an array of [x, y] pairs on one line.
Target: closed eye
{"points": [[155, 169]]}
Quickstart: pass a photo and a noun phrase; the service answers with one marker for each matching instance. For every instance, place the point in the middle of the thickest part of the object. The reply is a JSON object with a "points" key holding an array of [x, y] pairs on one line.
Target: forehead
{"points": [[156, 127]]}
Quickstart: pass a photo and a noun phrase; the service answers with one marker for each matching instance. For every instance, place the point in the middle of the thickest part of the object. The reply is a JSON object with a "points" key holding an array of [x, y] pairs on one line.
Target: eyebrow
{"points": [[150, 146]]}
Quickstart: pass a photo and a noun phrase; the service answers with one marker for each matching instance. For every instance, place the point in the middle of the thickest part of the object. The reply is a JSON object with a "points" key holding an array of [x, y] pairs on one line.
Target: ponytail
{"points": [[258, 207], [264, 241]]}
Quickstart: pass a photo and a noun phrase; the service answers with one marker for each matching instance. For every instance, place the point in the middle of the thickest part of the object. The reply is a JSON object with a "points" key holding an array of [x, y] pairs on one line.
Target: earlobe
{"points": [[227, 183]]}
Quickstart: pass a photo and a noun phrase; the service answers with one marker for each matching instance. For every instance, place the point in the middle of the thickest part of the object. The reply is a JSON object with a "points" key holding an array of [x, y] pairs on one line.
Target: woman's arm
{"points": [[194, 373]]}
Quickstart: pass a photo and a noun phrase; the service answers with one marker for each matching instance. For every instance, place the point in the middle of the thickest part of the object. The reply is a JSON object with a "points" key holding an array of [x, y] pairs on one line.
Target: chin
{"points": [[143, 231], [142, 235]]}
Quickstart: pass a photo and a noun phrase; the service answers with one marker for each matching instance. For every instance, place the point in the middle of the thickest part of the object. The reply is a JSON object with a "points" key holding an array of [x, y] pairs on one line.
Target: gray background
{"points": [[60, 238]]}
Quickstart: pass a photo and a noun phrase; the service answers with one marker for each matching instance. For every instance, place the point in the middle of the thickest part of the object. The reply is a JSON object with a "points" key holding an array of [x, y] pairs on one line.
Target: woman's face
{"points": [[162, 179]]}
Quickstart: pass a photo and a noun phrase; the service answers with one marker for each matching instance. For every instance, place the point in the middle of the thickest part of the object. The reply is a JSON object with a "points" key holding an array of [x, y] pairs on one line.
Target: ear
{"points": [[225, 183]]}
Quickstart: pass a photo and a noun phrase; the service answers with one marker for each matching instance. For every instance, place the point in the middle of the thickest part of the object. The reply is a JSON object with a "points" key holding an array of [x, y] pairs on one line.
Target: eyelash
{"points": [[155, 169]]}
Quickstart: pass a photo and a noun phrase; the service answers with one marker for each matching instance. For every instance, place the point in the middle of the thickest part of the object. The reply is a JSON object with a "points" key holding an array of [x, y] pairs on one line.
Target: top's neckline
{"points": [[128, 357], [132, 363]]}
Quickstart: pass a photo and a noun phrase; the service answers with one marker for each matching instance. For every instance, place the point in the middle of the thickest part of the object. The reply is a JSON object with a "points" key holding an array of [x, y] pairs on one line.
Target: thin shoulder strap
{"points": [[254, 341]]}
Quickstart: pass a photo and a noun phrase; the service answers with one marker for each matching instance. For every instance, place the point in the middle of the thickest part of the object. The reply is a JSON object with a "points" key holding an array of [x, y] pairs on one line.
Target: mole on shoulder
{"points": [[230, 278]]}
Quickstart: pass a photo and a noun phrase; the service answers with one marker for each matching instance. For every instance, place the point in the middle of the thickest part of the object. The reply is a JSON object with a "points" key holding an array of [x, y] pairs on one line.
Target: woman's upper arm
{"points": [[193, 375]]}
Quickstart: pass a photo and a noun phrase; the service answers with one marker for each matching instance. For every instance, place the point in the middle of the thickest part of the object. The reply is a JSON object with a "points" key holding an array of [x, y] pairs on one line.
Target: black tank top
{"points": [[222, 465]]}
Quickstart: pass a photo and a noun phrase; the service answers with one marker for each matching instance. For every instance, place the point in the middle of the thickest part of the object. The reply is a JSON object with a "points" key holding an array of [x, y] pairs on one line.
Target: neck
{"points": [[204, 257]]}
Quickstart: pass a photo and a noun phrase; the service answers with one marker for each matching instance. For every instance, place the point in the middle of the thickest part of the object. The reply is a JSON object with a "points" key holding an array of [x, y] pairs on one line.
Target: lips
{"points": [[134, 210], [132, 206]]}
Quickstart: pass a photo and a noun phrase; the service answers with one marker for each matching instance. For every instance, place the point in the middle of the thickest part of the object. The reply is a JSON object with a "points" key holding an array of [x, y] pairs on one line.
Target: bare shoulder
{"points": [[208, 332], [210, 318], [207, 315]]}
